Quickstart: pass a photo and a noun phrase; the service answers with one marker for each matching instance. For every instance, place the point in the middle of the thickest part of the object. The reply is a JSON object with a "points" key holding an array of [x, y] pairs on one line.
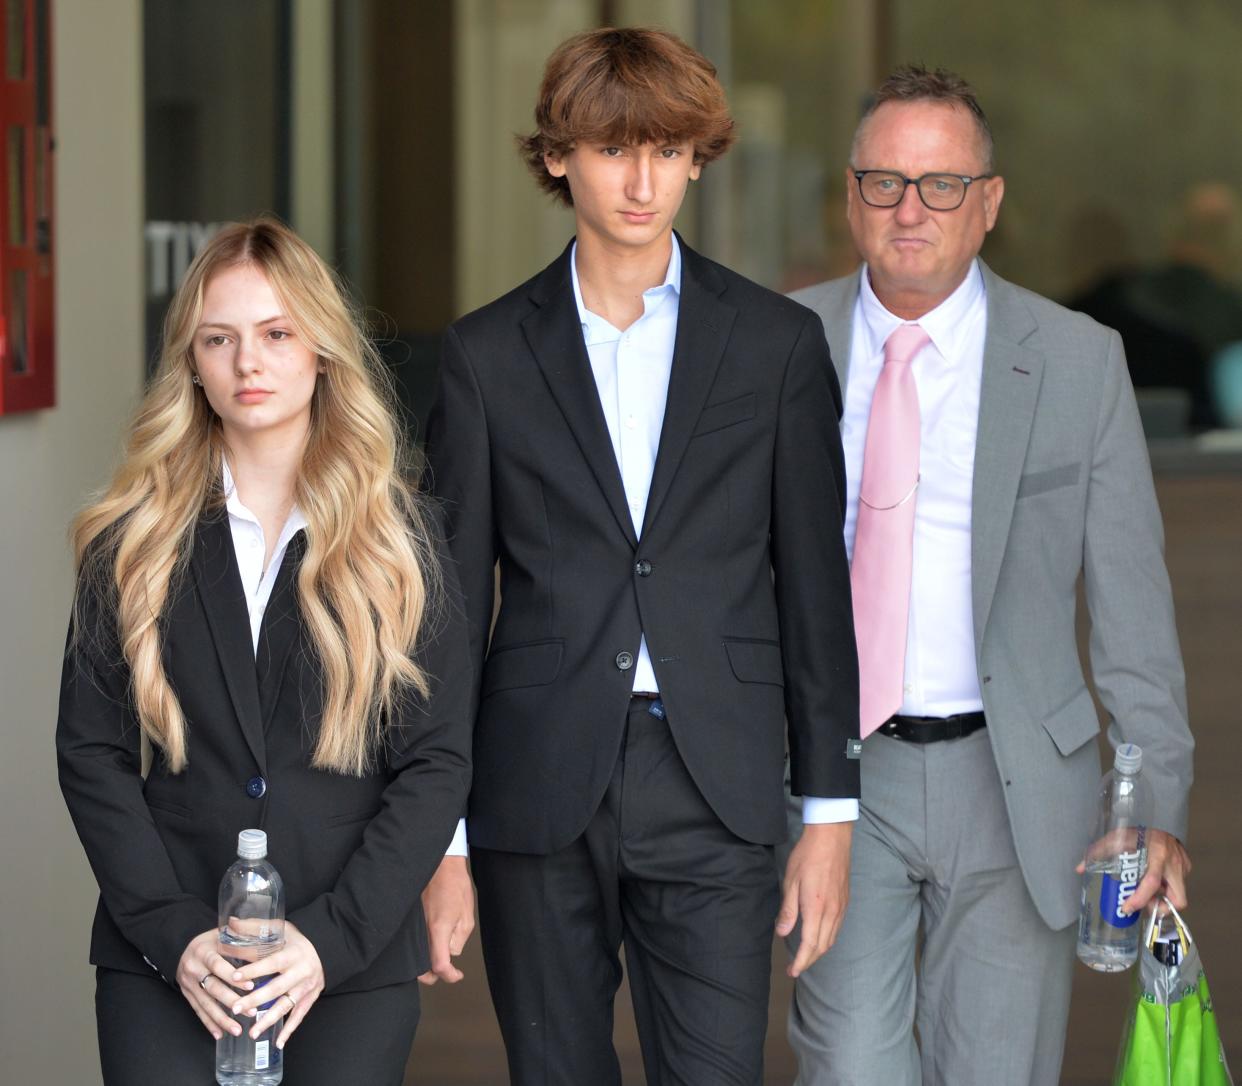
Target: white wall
{"points": [[49, 461]]}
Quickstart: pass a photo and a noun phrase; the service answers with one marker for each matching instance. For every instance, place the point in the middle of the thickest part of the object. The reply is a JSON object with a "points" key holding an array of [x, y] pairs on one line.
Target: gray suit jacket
{"points": [[1062, 488]]}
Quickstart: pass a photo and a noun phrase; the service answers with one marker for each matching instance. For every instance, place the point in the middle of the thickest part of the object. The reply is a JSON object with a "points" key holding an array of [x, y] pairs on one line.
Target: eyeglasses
{"points": [[938, 191]]}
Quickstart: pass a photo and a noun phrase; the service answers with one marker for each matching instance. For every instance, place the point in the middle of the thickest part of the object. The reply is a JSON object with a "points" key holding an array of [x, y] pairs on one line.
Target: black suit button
{"points": [[255, 787], [643, 568], [625, 661]]}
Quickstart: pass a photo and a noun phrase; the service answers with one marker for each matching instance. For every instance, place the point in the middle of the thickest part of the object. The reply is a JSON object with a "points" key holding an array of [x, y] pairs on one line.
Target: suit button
{"points": [[643, 568], [625, 661], [255, 787]]}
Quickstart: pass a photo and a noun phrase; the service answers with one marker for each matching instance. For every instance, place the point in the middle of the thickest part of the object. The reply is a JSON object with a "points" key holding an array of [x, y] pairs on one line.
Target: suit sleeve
{"points": [[429, 762], [811, 573], [459, 475], [1136, 661], [98, 749]]}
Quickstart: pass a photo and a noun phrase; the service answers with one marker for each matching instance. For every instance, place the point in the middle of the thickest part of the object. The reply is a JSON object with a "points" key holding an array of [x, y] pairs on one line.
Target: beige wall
{"points": [[48, 461], [507, 229]]}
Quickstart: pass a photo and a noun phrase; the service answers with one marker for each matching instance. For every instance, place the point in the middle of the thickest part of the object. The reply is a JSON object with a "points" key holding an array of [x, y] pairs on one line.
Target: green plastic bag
{"points": [[1171, 1037]]}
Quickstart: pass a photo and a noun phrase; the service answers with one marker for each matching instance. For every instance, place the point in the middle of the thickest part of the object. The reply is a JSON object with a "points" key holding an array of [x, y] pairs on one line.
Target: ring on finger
{"points": [[202, 981], [292, 1002]]}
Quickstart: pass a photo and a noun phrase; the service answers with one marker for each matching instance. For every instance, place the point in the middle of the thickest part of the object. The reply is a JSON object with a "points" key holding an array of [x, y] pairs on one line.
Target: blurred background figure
{"points": [[1167, 364]]}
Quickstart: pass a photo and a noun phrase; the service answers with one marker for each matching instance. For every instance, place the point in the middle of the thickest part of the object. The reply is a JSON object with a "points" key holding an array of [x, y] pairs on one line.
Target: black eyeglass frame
{"points": [[917, 182]]}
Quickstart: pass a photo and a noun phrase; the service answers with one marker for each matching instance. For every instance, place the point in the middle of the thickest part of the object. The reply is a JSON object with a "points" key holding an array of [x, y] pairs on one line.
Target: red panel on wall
{"points": [[27, 359]]}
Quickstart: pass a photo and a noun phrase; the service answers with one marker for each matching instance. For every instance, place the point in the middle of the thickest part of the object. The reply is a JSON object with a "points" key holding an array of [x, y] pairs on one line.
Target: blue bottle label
{"points": [[1115, 892]]}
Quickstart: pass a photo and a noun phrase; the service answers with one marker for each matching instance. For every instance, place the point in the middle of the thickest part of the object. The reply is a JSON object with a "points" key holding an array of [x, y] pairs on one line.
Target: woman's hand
{"points": [[201, 976], [296, 979]]}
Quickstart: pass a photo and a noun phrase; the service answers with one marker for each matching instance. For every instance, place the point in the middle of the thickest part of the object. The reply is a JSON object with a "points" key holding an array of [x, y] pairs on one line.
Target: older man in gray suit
{"points": [[994, 456]]}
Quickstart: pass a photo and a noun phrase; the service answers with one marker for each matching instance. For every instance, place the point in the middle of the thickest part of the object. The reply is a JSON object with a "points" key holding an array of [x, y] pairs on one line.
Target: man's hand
{"points": [[448, 905], [816, 887], [1167, 867]]}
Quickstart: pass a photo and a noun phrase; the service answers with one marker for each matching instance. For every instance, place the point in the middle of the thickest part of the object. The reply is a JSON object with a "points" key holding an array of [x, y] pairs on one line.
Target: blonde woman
{"points": [[259, 597]]}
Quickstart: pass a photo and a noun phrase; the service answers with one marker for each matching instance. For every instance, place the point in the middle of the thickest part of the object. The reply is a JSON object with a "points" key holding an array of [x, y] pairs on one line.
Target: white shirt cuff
{"points": [[816, 810], [458, 846]]}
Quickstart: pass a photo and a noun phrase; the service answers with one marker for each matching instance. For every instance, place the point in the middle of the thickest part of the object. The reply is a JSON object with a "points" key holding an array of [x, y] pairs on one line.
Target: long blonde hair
{"points": [[368, 577]]}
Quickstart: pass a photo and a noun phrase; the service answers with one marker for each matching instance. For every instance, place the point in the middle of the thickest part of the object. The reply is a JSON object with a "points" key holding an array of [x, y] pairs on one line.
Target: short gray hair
{"points": [[914, 83]]}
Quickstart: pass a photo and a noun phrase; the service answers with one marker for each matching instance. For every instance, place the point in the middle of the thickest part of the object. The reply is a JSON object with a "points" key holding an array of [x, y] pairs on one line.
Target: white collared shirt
{"points": [[257, 582], [632, 370], [941, 677], [251, 547]]}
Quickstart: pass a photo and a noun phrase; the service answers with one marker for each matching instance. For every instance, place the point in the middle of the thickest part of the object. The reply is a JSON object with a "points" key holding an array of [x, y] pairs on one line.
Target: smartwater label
{"points": [[261, 1055], [1115, 892]]}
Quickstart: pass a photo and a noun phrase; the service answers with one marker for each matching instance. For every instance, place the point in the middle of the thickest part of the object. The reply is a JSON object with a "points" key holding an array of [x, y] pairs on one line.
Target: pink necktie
{"points": [[884, 540]]}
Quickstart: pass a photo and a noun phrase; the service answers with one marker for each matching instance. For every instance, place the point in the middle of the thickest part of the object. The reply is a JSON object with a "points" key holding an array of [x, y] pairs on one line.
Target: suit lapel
{"points": [[554, 334], [279, 630], [704, 323], [214, 566], [1012, 373]]}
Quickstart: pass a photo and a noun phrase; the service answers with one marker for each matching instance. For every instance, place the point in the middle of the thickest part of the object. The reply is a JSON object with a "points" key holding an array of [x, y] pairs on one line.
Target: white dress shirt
{"points": [[941, 677], [632, 370], [251, 547], [257, 582]]}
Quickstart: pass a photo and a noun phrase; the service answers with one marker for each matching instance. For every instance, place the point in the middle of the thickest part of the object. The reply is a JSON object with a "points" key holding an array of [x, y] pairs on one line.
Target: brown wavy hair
{"points": [[630, 86], [368, 576]]}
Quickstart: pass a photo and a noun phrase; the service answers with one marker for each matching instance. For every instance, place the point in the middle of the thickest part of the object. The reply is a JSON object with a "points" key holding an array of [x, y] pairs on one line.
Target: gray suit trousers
{"points": [[940, 933]]}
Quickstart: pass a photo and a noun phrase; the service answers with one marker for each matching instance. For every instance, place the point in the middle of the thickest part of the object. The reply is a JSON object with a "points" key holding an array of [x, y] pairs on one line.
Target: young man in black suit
{"points": [[638, 436]]}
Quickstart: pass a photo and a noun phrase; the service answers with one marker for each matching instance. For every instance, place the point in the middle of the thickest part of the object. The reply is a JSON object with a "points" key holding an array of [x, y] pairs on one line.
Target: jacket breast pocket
{"points": [[755, 661], [1074, 724], [535, 663], [1040, 482], [717, 416]]}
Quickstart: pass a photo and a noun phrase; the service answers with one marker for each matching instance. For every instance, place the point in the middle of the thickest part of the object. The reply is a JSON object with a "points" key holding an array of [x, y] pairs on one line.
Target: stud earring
{"points": [[195, 379]]}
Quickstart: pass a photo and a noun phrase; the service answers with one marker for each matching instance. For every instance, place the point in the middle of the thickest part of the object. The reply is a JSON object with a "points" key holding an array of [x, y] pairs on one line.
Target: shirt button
{"points": [[630, 423], [625, 661], [908, 688], [255, 787], [642, 567]]}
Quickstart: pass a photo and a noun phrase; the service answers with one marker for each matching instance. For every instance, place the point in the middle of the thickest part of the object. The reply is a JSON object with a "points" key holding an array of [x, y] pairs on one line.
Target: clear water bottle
{"points": [[252, 926], [1108, 939]]}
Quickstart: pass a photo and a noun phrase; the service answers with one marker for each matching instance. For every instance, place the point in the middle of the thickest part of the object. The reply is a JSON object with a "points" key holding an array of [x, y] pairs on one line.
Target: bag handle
{"points": [[1153, 925]]}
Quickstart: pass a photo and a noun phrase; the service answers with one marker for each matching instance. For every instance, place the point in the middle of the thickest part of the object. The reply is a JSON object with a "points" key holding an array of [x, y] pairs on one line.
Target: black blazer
{"points": [[740, 582], [354, 853]]}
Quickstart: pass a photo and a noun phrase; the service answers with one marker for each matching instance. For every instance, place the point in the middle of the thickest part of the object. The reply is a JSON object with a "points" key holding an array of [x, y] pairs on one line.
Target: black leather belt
{"points": [[932, 729], [645, 695]]}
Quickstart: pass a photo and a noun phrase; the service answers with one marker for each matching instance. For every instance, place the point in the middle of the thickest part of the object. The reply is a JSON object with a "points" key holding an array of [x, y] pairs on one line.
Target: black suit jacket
{"points": [[740, 582], [354, 852]]}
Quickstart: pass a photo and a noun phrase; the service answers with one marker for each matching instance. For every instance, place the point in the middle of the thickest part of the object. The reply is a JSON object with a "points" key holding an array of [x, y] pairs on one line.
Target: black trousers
{"points": [[693, 905], [148, 1034]]}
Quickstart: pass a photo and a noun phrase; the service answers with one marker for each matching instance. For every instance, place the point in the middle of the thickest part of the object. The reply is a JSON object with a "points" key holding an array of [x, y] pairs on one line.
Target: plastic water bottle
{"points": [[252, 926], [1116, 859]]}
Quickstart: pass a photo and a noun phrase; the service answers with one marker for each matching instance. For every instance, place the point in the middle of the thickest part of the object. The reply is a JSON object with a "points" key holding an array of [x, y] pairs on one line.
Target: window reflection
{"points": [[15, 39], [17, 184], [19, 356]]}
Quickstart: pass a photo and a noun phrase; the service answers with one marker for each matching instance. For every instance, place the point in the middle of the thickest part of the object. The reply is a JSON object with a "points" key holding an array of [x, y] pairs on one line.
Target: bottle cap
{"points": [[252, 844], [1128, 759]]}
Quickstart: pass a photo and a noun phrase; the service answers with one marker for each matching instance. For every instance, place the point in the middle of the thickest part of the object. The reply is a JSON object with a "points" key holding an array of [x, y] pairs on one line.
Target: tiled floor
{"points": [[458, 1043]]}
